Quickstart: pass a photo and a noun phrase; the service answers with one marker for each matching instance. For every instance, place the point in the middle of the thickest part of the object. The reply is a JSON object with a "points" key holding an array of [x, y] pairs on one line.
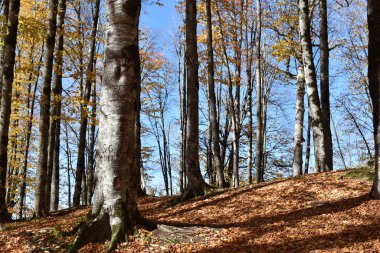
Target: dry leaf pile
{"points": [[318, 213]]}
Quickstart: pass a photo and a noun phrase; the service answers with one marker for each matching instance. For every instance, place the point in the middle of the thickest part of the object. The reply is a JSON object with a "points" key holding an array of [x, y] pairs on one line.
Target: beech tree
{"points": [[298, 132], [324, 83], [8, 62], [55, 125], [311, 84], [212, 100], [195, 184], [40, 204], [374, 83], [114, 210], [259, 111], [80, 172]]}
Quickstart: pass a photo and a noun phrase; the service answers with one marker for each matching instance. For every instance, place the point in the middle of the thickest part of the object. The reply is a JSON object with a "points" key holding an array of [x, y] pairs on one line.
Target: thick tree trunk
{"points": [[259, 138], [298, 131], [195, 185], [115, 208], [10, 42], [311, 83], [212, 100], [84, 116], [374, 83], [55, 127], [325, 85], [40, 205]]}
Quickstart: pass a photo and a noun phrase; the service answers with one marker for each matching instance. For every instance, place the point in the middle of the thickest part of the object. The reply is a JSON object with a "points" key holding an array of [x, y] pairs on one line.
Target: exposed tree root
{"points": [[114, 225]]}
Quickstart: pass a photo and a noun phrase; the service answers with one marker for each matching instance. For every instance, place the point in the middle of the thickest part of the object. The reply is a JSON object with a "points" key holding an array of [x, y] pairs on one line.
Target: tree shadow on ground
{"points": [[200, 203], [261, 225]]}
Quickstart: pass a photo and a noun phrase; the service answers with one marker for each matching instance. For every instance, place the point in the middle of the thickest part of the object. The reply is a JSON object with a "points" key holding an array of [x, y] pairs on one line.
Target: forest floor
{"points": [[328, 212]]}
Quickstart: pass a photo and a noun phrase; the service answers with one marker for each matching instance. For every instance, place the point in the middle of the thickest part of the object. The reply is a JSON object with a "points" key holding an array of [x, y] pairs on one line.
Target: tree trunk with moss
{"points": [[115, 208], [374, 82]]}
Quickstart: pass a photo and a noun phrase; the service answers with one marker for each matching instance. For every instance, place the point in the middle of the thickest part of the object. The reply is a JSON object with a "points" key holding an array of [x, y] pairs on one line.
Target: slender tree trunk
{"points": [[325, 85], [259, 138], [311, 84], [84, 116], [30, 105], [374, 83], [183, 127], [359, 130], [308, 141], [69, 166], [338, 143], [170, 165], [91, 152], [298, 132], [4, 11], [10, 42], [212, 100], [264, 129], [249, 59], [195, 185], [182, 102], [115, 198], [40, 205], [14, 170], [55, 127]]}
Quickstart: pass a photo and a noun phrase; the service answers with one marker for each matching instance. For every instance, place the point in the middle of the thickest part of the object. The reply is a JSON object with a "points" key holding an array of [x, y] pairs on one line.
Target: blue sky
{"points": [[158, 17]]}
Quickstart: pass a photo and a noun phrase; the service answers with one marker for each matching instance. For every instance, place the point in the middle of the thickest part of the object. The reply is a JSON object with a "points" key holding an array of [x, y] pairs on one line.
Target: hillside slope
{"points": [[327, 212]]}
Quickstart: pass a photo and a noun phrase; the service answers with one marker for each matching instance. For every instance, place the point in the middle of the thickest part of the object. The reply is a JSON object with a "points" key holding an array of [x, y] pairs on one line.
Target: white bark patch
{"points": [[115, 221]]}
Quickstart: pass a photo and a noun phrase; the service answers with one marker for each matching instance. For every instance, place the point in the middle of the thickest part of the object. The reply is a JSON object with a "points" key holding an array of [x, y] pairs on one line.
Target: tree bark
{"points": [[325, 85], [184, 108], [308, 141], [249, 60], [259, 137], [311, 84], [40, 205], [91, 152], [374, 83], [212, 100], [69, 166], [195, 184], [10, 42], [4, 11], [115, 197], [84, 115], [298, 132], [55, 127]]}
